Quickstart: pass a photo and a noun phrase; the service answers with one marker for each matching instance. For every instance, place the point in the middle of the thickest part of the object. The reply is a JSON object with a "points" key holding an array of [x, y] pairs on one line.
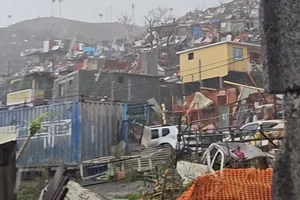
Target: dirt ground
{"points": [[120, 188]]}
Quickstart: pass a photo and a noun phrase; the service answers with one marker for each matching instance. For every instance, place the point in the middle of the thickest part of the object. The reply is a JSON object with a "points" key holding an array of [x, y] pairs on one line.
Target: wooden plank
{"points": [[76, 192], [245, 86], [54, 183]]}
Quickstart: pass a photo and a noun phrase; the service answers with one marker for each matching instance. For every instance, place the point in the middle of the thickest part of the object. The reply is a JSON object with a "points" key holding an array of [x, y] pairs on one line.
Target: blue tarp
{"points": [[197, 32], [215, 20], [281, 112], [89, 50]]}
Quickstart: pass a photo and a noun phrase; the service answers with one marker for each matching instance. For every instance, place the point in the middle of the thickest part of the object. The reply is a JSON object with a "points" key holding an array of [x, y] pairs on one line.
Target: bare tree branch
{"points": [[161, 15], [128, 21], [150, 23]]}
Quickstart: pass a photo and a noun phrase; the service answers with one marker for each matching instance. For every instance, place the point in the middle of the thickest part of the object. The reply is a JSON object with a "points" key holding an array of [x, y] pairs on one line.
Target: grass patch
{"points": [[28, 193], [133, 176]]}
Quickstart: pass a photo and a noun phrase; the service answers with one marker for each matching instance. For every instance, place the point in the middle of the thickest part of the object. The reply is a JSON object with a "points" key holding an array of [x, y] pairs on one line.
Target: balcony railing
{"points": [[22, 96]]}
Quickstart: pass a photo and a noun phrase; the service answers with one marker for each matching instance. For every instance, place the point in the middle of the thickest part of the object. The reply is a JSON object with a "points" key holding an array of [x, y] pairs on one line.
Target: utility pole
{"points": [[8, 20], [200, 76], [59, 1], [129, 90], [52, 4], [280, 42], [221, 86], [112, 89], [110, 10], [6, 80], [106, 15]]}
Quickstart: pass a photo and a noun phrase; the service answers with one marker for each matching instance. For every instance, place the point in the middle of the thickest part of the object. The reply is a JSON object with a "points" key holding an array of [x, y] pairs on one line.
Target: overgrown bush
{"points": [[28, 193]]}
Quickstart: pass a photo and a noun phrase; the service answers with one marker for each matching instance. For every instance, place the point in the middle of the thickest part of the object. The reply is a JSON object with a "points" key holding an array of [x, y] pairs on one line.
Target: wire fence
{"points": [[246, 184]]}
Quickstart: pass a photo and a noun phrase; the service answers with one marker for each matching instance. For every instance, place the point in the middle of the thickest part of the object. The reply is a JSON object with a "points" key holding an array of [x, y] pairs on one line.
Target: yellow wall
{"points": [[24, 95], [21, 96], [214, 63], [238, 65]]}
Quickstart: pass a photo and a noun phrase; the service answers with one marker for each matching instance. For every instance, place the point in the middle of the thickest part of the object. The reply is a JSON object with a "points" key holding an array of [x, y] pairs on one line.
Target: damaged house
{"points": [[83, 84]]}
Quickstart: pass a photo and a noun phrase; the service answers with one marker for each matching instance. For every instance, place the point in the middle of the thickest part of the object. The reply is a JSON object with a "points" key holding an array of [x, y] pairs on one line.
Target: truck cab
{"points": [[221, 155]]}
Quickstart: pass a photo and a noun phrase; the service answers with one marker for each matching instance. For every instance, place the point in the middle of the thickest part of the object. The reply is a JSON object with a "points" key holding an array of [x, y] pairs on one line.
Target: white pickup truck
{"points": [[251, 131], [168, 135], [221, 155]]}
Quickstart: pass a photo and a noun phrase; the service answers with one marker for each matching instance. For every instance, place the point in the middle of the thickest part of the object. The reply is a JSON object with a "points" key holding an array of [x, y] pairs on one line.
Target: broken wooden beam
{"points": [[244, 86]]}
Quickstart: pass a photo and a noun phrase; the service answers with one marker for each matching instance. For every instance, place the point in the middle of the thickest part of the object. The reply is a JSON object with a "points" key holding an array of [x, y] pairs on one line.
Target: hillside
{"points": [[31, 33]]}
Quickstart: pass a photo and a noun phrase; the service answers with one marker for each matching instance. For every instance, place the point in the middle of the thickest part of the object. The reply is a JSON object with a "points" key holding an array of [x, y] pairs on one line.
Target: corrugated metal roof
{"points": [[216, 44], [5, 138]]}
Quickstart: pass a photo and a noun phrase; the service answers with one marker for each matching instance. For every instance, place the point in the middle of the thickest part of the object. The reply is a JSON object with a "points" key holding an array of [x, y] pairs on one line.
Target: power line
{"points": [[134, 87], [213, 63], [215, 67]]}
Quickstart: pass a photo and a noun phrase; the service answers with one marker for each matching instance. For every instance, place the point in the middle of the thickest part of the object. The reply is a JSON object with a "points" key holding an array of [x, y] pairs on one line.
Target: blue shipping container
{"points": [[75, 132]]}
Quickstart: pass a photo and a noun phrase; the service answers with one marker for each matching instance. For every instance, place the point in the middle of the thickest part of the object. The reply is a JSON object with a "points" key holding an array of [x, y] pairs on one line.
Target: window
{"points": [[40, 85], [237, 53], [268, 126], [26, 83], [61, 89], [120, 79], [154, 134], [165, 132], [251, 127], [70, 82], [15, 86], [191, 56]]}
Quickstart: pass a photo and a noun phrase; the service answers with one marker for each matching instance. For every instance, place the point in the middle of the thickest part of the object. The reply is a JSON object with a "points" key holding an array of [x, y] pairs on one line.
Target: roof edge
{"points": [[216, 44]]}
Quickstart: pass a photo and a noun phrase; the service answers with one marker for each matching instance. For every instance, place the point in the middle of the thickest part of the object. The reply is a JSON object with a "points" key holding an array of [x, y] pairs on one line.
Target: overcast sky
{"points": [[89, 10]]}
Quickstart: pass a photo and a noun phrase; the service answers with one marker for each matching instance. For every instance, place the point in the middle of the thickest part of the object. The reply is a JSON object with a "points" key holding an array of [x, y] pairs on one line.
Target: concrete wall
{"points": [[149, 63], [136, 88], [70, 83], [120, 86]]}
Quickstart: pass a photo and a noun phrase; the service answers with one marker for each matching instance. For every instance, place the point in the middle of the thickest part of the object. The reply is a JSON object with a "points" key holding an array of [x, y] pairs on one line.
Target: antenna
{"points": [[59, 1], [133, 16]]}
